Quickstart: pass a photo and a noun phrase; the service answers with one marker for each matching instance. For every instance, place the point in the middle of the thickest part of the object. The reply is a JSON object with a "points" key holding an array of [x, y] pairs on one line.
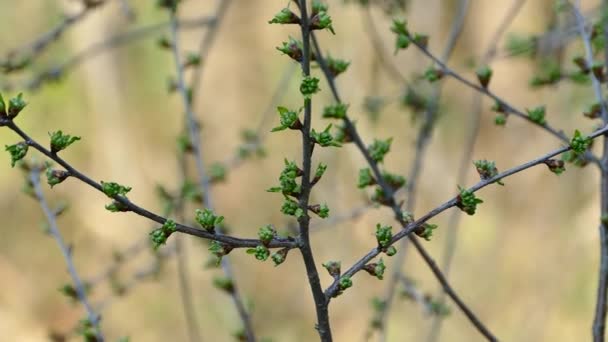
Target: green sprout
{"points": [[87, 330], [292, 48], [223, 283], [376, 269], [60, 141], [288, 176], [344, 283], [15, 106], [365, 178], [219, 250], [321, 168], [279, 256], [285, 16], [380, 196], [594, 111], [337, 111], [320, 209], [537, 115], [426, 231], [336, 66], [54, 177], [292, 208], [550, 73], [384, 235], [2, 106], [487, 169], [414, 100], [207, 219], [266, 234], [394, 181], [289, 119], [500, 119], [260, 252], [403, 40], [433, 75], [518, 44], [379, 148], [160, 235], [556, 166], [192, 59], [217, 173], [407, 217], [70, 291], [191, 192], [484, 74], [318, 6], [321, 21], [333, 268], [112, 189], [17, 151], [324, 138], [467, 201], [342, 134], [309, 86], [421, 39], [579, 143], [116, 207]]}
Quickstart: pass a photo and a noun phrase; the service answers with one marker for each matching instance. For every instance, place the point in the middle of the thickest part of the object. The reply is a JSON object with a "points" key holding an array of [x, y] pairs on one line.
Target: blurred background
{"points": [[526, 263]]}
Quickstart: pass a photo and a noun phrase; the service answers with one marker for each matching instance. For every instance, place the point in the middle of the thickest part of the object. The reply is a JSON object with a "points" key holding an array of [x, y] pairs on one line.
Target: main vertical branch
{"points": [[321, 303]]}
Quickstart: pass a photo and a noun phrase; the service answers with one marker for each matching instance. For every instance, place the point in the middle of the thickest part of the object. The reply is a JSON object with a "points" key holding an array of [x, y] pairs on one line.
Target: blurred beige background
{"points": [[526, 263]]}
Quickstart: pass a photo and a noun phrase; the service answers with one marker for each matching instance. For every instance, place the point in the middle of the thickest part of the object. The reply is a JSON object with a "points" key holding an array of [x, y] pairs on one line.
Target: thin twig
{"points": [[506, 106], [599, 320], [115, 41], [131, 206], [16, 58], [127, 10], [353, 133], [386, 62], [473, 85], [411, 227], [139, 276], [408, 229], [422, 142], [66, 252], [465, 163], [195, 140], [205, 47], [232, 163], [586, 38]]}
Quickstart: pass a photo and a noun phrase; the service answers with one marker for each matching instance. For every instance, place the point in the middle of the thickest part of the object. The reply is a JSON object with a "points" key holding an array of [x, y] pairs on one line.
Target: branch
{"points": [[372, 33], [411, 227], [205, 47], [487, 92], [599, 320], [352, 131], [465, 162], [66, 251], [131, 206], [321, 302], [422, 142], [115, 41], [20, 57], [195, 140]]}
